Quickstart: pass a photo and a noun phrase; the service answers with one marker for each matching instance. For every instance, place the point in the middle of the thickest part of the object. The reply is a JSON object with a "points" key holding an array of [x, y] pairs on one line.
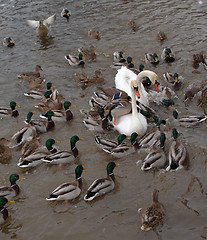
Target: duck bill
{"points": [[81, 139], [117, 164], [72, 105], [57, 141], [157, 87], [21, 178], [170, 54], [137, 93], [176, 79], [10, 201], [53, 86], [17, 106], [84, 168]]}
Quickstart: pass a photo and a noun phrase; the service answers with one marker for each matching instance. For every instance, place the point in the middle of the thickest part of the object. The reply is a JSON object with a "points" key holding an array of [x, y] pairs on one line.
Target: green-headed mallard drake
{"points": [[65, 13], [161, 36], [5, 151], [36, 157], [50, 101], [168, 103], [8, 42], [152, 215], [68, 191], [75, 60], [31, 75], [62, 115], [88, 53], [39, 94], [129, 63], [102, 186], [151, 58], [94, 34], [123, 149], [156, 158], [42, 27], [42, 126], [177, 153], [4, 212], [119, 57], [98, 124], [189, 121], [168, 55], [173, 79], [151, 138], [109, 144], [12, 111], [13, 190], [62, 156]]}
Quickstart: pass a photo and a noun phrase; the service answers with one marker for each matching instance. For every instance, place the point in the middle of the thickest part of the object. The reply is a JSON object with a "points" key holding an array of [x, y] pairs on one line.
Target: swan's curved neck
{"points": [[134, 106]]}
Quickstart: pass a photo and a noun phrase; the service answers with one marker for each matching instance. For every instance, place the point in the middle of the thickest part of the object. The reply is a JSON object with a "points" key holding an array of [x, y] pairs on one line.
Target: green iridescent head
{"points": [[168, 51], [80, 56], [49, 143], [110, 167], [12, 105], [66, 105], [74, 140], [174, 133], [141, 67], [121, 54], [14, 177], [175, 114], [121, 138], [101, 112], [49, 115], [133, 137], [129, 59], [162, 139], [78, 171], [29, 116]]}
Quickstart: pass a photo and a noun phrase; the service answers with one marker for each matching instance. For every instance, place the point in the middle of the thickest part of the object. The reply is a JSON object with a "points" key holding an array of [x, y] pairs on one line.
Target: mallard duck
{"points": [[94, 34], [202, 97], [42, 126], [98, 123], [129, 63], [152, 215], [171, 78], [168, 103], [119, 57], [192, 90], [69, 191], [132, 24], [4, 211], [81, 77], [36, 157], [151, 58], [35, 83], [132, 122], [39, 94], [64, 156], [189, 121], [177, 153], [167, 55], [29, 147], [8, 42], [10, 111], [65, 13], [31, 75], [97, 78], [124, 150], [151, 138], [5, 151], [62, 115], [156, 158], [13, 190], [50, 101], [88, 52], [161, 36], [75, 61], [109, 144], [124, 77], [102, 186], [42, 26], [197, 59], [25, 134]]}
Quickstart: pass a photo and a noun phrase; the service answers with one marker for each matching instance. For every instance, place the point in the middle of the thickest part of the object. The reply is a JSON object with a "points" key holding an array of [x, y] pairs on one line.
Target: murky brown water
{"points": [[115, 216]]}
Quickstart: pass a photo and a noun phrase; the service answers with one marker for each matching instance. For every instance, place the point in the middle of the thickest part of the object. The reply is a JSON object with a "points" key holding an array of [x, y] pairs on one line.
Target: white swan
{"points": [[124, 77], [132, 122]]}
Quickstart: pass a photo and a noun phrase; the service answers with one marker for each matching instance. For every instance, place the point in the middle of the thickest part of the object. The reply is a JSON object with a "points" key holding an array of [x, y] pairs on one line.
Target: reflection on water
{"points": [[46, 43], [115, 215]]}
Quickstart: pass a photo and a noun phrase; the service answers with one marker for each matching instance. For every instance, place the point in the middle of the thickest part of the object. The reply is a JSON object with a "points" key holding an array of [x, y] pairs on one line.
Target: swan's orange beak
{"points": [[137, 93], [157, 86]]}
